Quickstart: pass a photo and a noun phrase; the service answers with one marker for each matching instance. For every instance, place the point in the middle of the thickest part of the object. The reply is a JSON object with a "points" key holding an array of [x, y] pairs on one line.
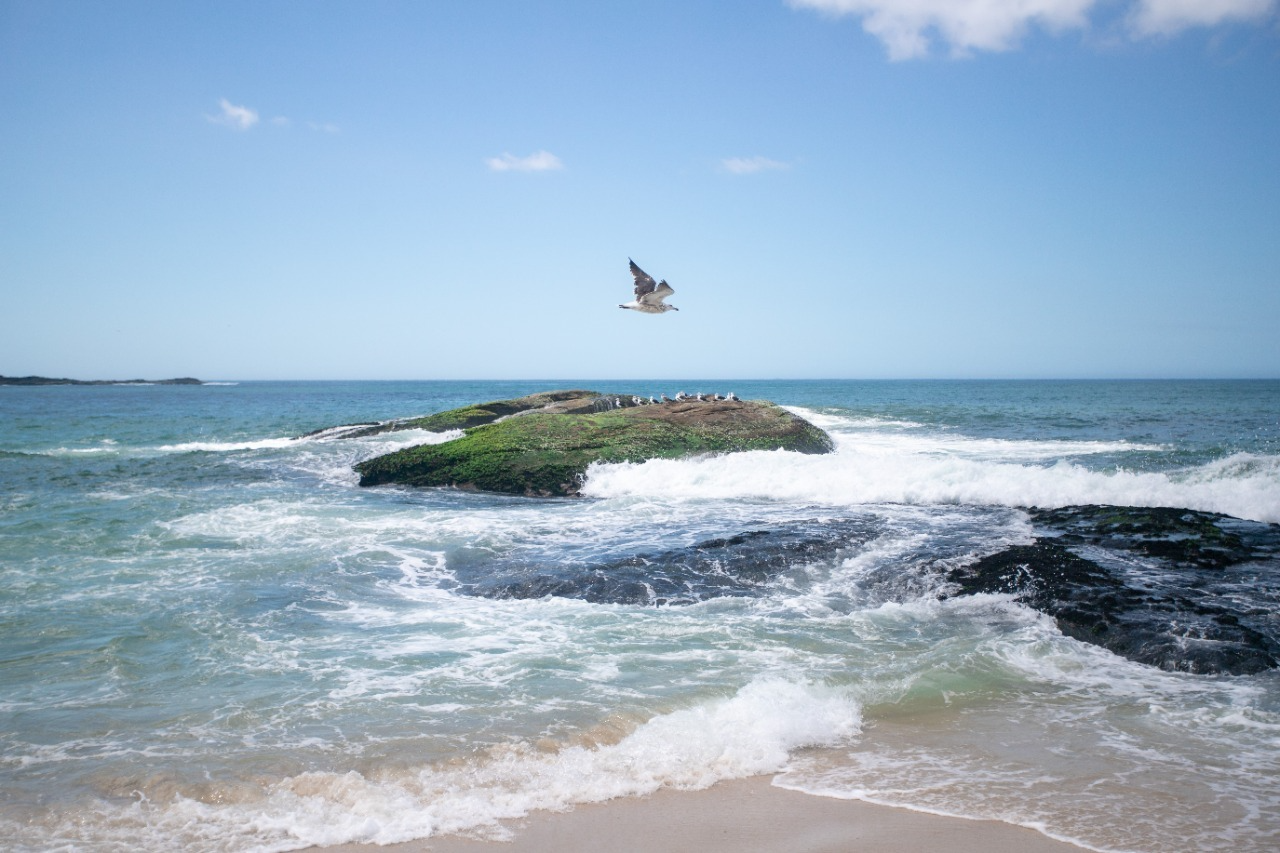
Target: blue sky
{"points": [[834, 188]]}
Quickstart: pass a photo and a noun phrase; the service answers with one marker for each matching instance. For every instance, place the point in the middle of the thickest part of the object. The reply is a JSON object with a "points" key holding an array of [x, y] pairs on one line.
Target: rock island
{"points": [[542, 444]]}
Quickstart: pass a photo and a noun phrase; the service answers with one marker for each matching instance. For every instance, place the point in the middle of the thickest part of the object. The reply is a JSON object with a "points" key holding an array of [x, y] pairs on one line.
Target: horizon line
{"points": [[1244, 378]]}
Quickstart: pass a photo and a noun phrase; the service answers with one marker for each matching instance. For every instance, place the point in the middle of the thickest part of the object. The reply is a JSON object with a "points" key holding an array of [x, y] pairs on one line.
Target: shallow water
{"points": [[211, 637]]}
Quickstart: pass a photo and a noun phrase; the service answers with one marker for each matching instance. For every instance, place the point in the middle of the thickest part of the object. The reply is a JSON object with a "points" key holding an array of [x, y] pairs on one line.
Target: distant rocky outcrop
{"points": [[1174, 588], [542, 444], [45, 380]]}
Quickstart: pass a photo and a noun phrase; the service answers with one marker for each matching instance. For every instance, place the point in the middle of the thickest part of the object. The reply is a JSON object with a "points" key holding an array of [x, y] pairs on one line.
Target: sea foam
{"points": [[749, 733], [895, 466]]}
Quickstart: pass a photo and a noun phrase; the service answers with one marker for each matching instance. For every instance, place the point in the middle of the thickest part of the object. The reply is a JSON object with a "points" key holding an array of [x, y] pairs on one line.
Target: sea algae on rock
{"points": [[1161, 586], [546, 450]]}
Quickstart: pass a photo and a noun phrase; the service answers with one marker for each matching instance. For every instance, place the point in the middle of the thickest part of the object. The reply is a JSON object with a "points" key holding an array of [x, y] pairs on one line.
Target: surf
{"points": [[883, 463]]}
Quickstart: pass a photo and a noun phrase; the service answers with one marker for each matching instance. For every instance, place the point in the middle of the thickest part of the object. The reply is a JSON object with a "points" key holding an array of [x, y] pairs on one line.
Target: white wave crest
{"points": [[226, 446], [106, 445], [749, 733], [385, 443], [828, 421], [1243, 485]]}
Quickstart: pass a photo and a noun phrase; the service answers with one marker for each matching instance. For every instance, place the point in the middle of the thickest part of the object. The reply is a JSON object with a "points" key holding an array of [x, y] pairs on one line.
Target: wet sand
{"points": [[741, 815]]}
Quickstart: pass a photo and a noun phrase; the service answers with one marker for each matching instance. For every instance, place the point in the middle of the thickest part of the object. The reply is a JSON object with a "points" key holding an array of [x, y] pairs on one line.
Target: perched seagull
{"points": [[666, 399], [731, 397], [649, 294]]}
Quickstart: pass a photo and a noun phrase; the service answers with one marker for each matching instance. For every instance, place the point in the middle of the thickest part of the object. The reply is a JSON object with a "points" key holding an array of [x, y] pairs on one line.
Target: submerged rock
{"points": [[742, 564], [1175, 588], [543, 444]]}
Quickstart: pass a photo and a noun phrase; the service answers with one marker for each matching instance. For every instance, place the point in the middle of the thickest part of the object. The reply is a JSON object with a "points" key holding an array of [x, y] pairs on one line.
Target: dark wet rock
{"points": [[343, 431], [1184, 537], [1174, 588], [557, 402], [739, 565], [542, 445]]}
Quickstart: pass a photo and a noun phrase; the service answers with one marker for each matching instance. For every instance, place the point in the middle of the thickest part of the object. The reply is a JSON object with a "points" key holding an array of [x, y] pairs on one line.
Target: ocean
{"points": [[211, 638]]}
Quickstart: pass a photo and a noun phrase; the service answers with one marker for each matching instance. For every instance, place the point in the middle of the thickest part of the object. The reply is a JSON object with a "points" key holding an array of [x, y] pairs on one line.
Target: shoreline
{"points": [[738, 815]]}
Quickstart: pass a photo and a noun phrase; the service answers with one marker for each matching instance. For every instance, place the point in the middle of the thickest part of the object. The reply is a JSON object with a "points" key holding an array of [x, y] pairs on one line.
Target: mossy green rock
{"points": [[547, 451]]}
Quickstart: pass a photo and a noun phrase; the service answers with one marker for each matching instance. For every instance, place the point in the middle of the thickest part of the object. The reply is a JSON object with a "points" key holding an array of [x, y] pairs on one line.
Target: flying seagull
{"points": [[649, 294]]}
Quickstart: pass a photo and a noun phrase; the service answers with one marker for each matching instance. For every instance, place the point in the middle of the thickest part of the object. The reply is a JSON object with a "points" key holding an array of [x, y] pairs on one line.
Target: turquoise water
{"points": [[212, 638]]}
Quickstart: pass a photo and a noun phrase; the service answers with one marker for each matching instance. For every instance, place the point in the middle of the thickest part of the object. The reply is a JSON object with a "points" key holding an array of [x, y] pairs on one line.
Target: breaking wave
{"points": [[750, 733], [895, 466]]}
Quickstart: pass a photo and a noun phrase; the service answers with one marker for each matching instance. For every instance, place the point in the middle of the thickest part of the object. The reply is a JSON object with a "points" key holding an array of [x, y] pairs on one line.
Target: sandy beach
{"points": [[741, 815]]}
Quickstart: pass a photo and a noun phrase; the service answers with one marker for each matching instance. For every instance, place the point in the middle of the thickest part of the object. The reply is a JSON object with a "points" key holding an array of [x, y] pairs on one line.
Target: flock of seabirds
{"points": [[650, 299], [620, 403]]}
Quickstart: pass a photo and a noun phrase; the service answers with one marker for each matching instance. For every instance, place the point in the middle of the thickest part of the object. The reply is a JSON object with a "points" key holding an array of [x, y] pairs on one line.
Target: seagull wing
{"points": [[655, 297], [644, 282]]}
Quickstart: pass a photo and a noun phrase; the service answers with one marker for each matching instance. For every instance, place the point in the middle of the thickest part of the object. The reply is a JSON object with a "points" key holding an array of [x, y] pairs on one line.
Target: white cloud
{"points": [[907, 27], [1165, 17], [904, 25], [241, 118], [540, 161], [751, 165]]}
